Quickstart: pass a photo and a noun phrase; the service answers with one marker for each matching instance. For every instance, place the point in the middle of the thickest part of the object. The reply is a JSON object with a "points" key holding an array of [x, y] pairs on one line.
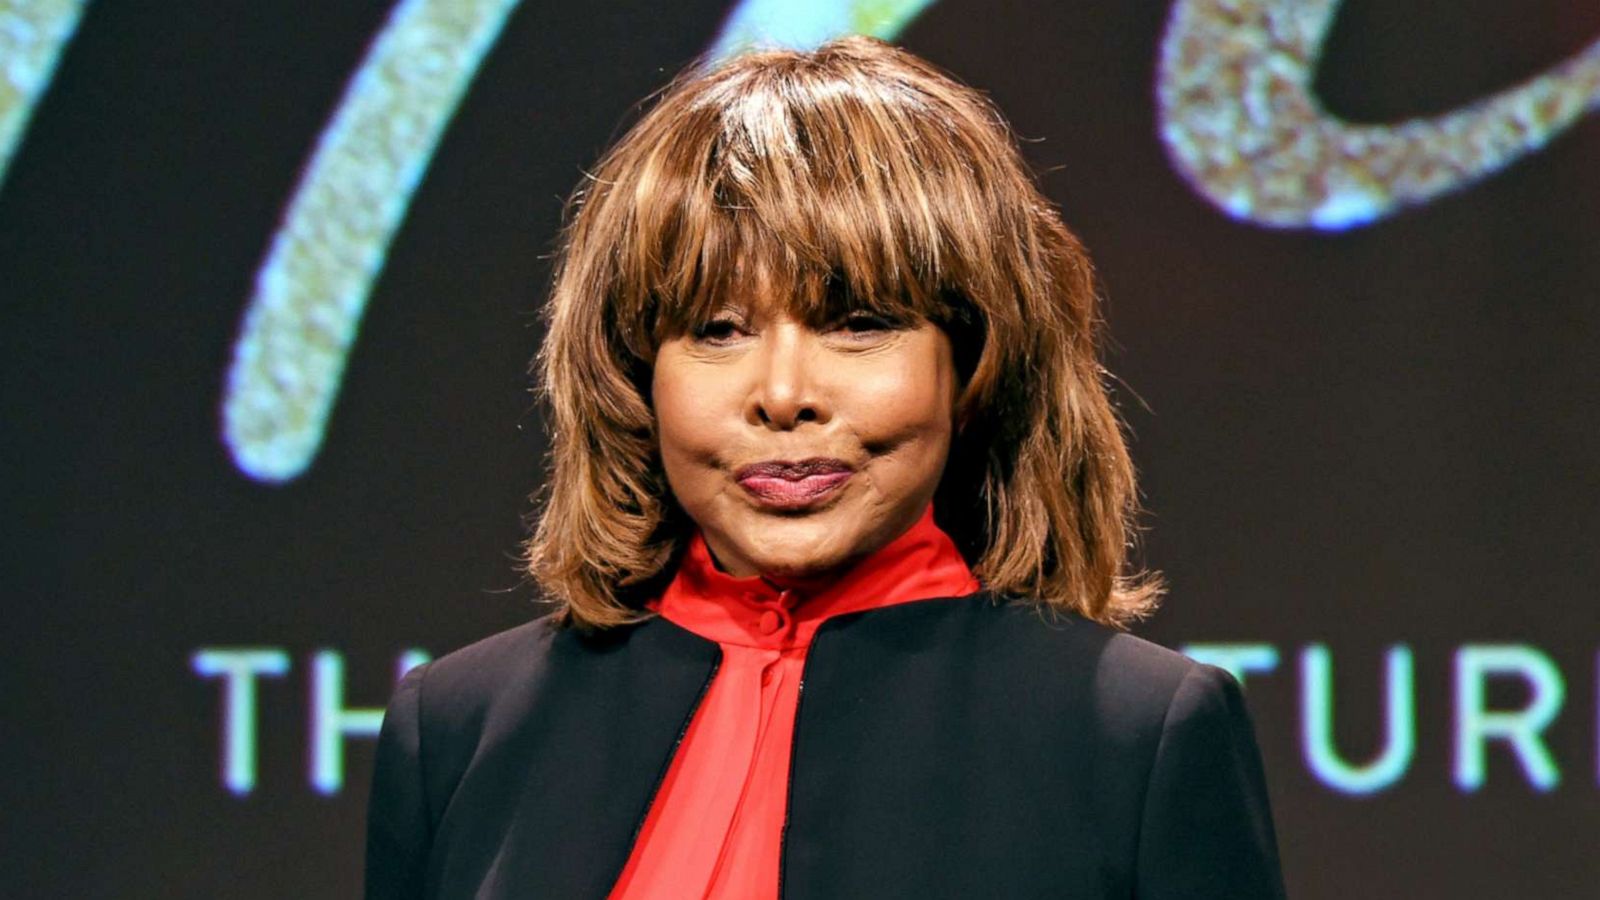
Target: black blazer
{"points": [[959, 747]]}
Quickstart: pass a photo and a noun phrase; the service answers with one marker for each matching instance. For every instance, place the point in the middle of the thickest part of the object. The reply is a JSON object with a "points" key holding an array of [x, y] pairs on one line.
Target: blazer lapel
{"points": [[603, 717]]}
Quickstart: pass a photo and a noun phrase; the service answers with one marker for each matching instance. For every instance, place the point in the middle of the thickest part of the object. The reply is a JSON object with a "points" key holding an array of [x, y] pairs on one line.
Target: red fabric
{"points": [[715, 827]]}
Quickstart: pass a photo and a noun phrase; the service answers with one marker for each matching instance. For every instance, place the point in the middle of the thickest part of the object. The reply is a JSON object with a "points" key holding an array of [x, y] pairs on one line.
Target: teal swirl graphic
{"points": [[32, 35], [1241, 123]]}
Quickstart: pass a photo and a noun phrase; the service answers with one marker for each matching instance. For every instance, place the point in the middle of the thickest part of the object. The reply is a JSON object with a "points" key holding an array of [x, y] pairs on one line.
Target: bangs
{"points": [[819, 192]]}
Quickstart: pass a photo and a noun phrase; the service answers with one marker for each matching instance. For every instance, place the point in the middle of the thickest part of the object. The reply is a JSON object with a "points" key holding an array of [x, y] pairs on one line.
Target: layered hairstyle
{"points": [[854, 175]]}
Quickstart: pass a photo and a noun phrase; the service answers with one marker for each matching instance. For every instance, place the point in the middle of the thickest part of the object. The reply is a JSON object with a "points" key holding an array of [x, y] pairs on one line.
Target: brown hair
{"points": [[855, 173]]}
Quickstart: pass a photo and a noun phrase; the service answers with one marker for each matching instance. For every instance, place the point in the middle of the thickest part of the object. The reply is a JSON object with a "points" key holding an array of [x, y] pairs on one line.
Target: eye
{"points": [[868, 323], [716, 331]]}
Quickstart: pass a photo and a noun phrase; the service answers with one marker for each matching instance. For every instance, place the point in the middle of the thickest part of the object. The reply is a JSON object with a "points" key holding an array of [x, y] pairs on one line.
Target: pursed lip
{"points": [[794, 486], [793, 471]]}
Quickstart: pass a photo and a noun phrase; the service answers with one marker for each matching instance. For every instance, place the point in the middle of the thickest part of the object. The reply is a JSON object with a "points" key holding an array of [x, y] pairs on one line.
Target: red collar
{"points": [[754, 612]]}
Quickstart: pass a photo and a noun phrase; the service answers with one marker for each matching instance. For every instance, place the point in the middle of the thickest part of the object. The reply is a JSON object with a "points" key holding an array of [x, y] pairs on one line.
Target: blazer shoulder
{"points": [[495, 681], [1134, 668], [1134, 678], [1010, 639], [491, 658], [458, 691]]}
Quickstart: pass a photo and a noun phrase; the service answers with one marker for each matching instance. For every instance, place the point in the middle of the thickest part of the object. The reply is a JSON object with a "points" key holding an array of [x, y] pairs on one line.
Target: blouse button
{"points": [[771, 621]]}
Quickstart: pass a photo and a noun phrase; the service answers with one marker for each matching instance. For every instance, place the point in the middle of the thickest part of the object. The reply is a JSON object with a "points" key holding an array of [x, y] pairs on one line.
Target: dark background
{"points": [[1386, 435]]}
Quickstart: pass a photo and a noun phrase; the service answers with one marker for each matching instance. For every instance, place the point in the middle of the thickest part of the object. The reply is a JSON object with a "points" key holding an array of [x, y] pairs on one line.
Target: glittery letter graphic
{"points": [[32, 35], [1241, 123], [804, 24], [313, 287]]}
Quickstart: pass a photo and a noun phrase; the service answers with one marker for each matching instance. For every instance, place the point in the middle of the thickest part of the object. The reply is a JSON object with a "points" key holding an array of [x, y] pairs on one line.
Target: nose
{"points": [[785, 390]]}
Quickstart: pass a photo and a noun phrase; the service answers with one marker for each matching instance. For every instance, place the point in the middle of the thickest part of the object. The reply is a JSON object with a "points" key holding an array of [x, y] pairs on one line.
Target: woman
{"points": [[825, 402]]}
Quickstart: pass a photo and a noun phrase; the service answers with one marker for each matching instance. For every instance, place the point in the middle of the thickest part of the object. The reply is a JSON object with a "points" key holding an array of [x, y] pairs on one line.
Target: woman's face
{"points": [[799, 450]]}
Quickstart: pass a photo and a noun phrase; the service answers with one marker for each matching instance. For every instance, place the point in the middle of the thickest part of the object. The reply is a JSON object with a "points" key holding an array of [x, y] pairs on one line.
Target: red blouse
{"points": [[715, 828]]}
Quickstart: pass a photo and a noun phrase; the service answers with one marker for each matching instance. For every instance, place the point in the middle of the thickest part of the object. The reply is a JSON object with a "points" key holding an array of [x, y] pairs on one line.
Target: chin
{"points": [[798, 548], [797, 569]]}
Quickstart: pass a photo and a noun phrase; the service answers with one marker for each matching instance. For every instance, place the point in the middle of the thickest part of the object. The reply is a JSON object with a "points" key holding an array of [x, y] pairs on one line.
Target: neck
{"points": [[757, 610]]}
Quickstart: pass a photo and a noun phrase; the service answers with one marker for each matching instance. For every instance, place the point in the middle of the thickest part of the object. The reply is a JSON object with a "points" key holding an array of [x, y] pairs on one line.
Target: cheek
{"points": [[907, 407], [907, 404], [687, 420], [681, 421]]}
